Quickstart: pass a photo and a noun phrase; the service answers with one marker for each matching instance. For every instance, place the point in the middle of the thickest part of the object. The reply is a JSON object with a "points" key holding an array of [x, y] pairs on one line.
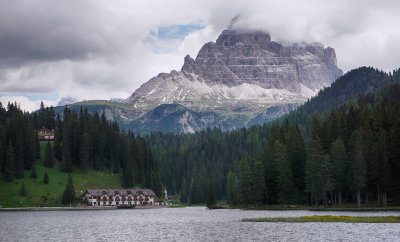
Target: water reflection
{"points": [[185, 224]]}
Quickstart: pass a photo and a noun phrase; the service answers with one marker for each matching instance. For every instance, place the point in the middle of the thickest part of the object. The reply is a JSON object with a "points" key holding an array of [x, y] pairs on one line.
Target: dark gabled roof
{"points": [[44, 129], [123, 192]]}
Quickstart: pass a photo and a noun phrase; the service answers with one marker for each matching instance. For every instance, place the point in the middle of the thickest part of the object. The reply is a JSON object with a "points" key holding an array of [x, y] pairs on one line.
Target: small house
{"points": [[45, 134]]}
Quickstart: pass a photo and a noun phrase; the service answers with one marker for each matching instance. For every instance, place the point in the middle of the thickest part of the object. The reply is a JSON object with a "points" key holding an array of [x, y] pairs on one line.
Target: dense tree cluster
{"points": [[360, 81], [89, 141], [19, 144], [188, 161], [347, 154], [82, 141]]}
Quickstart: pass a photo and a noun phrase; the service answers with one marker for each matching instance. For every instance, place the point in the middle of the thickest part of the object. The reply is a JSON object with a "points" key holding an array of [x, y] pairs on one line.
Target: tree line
{"points": [[351, 154], [82, 141], [343, 155]]}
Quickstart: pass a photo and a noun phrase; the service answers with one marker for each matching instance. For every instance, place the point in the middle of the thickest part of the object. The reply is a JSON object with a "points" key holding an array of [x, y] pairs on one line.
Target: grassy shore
{"points": [[345, 208], [40, 194], [329, 219]]}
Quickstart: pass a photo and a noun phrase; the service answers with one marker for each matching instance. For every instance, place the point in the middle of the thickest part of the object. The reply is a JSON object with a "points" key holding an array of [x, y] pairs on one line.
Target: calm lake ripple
{"points": [[185, 224]]}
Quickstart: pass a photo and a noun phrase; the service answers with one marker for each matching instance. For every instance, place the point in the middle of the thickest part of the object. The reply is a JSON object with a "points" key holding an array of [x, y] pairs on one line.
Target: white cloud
{"points": [[97, 50], [25, 103]]}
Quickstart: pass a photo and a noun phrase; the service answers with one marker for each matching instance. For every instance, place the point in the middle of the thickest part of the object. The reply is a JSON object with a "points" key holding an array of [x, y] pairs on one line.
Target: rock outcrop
{"points": [[236, 80], [240, 57]]}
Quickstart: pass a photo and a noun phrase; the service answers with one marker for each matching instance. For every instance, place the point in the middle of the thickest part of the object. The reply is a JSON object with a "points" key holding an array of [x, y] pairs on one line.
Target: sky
{"points": [[101, 49]]}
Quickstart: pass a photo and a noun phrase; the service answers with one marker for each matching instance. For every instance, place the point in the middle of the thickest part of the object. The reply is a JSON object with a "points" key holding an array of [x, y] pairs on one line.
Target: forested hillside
{"points": [[82, 141], [360, 81], [347, 154]]}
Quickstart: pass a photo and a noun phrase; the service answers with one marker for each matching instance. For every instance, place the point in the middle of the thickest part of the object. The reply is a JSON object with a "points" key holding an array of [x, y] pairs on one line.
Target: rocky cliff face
{"points": [[240, 56], [241, 79], [244, 78]]}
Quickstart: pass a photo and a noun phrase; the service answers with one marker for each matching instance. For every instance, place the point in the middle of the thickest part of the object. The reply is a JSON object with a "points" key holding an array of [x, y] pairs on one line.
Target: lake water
{"points": [[185, 224]]}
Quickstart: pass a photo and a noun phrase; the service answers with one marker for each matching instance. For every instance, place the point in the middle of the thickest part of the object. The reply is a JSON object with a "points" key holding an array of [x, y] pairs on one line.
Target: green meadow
{"points": [[40, 194]]}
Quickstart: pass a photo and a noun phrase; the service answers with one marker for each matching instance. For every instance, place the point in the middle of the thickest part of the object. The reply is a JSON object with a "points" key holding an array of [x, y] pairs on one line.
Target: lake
{"points": [[185, 224]]}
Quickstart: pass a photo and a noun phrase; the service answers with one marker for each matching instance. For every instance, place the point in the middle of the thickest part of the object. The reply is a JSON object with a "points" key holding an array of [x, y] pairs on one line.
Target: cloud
{"points": [[25, 103], [362, 32], [100, 49]]}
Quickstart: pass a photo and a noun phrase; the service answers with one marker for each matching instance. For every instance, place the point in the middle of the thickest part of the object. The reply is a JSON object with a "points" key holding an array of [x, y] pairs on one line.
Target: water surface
{"points": [[185, 224]]}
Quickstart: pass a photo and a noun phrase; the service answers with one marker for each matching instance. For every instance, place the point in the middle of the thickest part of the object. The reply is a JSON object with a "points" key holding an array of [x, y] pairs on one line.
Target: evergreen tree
{"points": [[157, 184], [313, 169], [46, 178], [284, 177], [245, 180], [84, 152], [183, 194], [33, 173], [297, 160], [3, 146], [338, 157], [19, 154], [359, 166], [326, 178], [58, 138], [69, 192], [66, 160], [49, 157], [29, 146], [230, 188], [211, 201], [258, 190], [22, 191], [127, 175], [9, 170]]}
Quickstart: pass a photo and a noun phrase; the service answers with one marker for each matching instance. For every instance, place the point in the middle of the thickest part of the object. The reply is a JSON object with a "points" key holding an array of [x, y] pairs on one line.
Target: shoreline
{"points": [[23, 209], [54, 209]]}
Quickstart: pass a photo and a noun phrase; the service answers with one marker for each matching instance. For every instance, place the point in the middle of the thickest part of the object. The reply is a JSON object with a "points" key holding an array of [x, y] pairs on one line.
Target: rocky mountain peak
{"points": [[231, 37], [244, 77], [188, 64]]}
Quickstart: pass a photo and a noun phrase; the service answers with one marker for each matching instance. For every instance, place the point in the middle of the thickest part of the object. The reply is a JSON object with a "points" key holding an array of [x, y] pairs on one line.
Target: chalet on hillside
{"points": [[45, 134], [118, 197]]}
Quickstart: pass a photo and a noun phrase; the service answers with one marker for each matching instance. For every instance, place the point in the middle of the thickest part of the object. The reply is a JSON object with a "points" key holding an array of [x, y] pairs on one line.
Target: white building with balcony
{"points": [[119, 197]]}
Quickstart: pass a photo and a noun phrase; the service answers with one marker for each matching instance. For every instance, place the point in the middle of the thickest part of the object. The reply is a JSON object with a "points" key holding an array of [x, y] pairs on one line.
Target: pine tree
{"points": [[66, 160], [33, 173], [3, 146], [313, 169], [359, 166], [84, 152], [9, 170], [183, 194], [22, 191], [229, 188], [46, 178], [127, 175], [284, 177], [326, 178], [258, 183], [297, 158], [211, 200], [245, 179], [69, 192], [49, 157], [19, 154], [338, 156]]}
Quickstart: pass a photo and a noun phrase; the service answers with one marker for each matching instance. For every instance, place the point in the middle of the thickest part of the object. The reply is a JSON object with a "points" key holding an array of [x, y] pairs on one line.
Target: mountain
{"points": [[243, 78], [67, 100], [360, 81]]}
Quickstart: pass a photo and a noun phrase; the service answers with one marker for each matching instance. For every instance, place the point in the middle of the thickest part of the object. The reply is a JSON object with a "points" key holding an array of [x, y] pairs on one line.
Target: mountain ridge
{"points": [[242, 78]]}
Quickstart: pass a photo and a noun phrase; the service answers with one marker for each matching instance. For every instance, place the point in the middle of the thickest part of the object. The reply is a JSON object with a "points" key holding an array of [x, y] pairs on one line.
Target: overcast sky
{"points": [[101, 49]]}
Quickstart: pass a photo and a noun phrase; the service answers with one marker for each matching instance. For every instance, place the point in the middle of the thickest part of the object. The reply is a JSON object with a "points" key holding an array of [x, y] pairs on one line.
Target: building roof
{"points": [[122, 192], [44, 129]]}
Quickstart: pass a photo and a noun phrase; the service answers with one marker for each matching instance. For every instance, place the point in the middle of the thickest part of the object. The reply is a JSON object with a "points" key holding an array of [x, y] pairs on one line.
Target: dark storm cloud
{"points": [[51, 30], [99, 49]]}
